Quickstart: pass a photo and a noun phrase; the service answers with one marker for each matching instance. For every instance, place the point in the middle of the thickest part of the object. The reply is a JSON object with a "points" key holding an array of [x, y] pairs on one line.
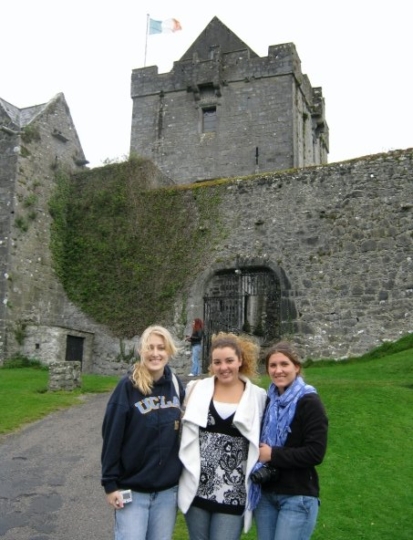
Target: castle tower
{"points": [[223, 111]]}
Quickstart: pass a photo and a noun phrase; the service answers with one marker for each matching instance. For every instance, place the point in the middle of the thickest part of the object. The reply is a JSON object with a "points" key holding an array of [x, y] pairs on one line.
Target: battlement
{"points": [[223, 69]]}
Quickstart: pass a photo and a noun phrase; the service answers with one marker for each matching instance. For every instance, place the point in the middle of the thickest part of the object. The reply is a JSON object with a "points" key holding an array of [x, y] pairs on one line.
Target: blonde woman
{"points": [[141, 442], [220, 442]]}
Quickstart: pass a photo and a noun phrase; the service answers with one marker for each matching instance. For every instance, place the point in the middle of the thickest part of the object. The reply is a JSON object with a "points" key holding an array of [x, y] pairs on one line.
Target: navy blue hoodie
{"points": [[141, 437]]}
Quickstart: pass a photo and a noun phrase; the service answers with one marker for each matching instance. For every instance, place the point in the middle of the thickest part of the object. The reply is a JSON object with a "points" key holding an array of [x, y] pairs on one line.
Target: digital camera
{"points": [[264, 474], [126, 496]]}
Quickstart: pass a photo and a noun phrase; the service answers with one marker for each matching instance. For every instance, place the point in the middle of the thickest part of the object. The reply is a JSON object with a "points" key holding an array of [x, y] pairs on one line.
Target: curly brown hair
{"points": [[244, 347]]}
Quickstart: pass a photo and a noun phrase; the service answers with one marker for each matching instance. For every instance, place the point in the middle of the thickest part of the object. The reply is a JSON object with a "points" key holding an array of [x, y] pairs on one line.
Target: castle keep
{"points": [[223, 111], [318, 253]]}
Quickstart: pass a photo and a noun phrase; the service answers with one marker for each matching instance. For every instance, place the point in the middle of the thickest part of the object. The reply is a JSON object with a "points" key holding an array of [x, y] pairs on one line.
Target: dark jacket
{"points": [[141, 437], [304, 448], [196, 337]]}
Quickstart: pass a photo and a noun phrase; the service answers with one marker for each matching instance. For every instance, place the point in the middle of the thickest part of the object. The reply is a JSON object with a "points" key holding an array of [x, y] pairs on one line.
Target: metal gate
{"points": [[242, 301]]}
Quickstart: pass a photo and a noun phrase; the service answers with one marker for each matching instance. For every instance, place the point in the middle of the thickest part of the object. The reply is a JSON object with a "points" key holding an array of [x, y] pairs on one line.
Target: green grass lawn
{"points": [[24, 397], [367, 476]]}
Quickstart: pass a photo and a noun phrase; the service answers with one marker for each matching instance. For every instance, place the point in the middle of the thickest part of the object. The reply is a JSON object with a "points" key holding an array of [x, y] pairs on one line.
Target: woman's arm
{"points": [[113, 428]]}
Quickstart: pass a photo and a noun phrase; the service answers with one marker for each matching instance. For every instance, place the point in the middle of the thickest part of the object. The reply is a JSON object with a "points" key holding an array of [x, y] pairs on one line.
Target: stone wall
{"points": [[338, 237], [341, 235], [35, 143], [49, 343], [8, 165], [66, 376]]}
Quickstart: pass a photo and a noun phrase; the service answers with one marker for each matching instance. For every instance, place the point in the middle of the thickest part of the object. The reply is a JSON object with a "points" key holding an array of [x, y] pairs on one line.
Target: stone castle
{"points": [[223, 111], [320, 253]]}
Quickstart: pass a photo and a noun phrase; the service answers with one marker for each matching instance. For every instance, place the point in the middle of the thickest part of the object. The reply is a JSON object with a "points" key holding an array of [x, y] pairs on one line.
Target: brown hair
{"points": [[285, 348], [246, 350]]}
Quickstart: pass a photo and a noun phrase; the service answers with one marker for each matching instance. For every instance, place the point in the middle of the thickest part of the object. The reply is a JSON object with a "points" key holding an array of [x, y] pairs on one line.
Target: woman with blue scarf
{"points": [[285, 489]]}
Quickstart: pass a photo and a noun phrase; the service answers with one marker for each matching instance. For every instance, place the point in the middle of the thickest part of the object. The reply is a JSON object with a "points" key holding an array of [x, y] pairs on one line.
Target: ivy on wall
{"points": [[124, 252]]}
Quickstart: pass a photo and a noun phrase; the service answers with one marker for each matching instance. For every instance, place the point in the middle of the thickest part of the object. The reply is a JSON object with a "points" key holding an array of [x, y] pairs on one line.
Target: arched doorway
{"points": [[244, 300]]}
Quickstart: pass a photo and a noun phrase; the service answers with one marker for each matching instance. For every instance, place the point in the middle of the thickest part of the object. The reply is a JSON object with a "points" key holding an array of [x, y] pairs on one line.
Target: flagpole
{"points": [[146, 41]]}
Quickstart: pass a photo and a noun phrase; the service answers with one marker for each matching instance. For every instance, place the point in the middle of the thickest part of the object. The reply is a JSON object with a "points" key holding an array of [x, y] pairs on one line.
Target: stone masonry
{"points": [[34, 143], [266, 115], [65, 376], [339, 238]]}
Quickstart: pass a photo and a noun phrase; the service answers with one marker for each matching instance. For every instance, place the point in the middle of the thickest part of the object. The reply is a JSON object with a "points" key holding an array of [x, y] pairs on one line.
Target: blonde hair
{"points": [[244, 347], [140, 376]]}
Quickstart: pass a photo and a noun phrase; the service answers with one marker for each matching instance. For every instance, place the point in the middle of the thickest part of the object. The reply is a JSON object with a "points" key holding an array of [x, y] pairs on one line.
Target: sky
{"points": [[358, 52]]}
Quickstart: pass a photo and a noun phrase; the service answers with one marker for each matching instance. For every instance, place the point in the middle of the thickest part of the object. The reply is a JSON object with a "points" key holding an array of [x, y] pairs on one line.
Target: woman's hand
{"points": [[265, 453], [114, 499]]}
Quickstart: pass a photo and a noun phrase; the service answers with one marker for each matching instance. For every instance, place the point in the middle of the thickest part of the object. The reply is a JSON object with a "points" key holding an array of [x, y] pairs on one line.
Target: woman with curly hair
{"points": [[220, 441]]}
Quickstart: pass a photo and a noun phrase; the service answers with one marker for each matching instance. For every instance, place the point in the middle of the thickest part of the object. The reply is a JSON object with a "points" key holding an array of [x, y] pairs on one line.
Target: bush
{"points": [[20, 361]]}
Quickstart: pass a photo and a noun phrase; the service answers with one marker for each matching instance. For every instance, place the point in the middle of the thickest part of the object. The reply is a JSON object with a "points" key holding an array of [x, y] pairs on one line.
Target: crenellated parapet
{"points": [[222, 70]]}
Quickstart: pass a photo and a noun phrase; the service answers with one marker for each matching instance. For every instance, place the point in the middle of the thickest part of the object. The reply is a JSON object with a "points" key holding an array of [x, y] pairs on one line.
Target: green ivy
{"points": [[124, 252]]}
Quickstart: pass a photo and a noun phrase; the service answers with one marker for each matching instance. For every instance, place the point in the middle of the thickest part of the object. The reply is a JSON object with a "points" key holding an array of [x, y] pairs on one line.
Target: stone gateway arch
{"points": [[244, 300]]}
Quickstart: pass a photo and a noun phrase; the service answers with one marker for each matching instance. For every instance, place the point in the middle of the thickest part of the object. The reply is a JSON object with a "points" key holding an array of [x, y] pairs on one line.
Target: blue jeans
{"points": [[286, 517], [150, 516], [204, 525], [196, 359]]}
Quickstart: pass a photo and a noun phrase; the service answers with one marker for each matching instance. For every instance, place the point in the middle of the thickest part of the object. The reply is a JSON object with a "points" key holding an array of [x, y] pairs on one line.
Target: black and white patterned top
{"points": [[224, 453]]}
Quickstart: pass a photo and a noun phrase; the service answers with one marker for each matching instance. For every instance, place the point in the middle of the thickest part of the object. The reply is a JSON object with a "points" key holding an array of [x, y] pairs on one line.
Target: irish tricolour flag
{"points": [[164, 27]]}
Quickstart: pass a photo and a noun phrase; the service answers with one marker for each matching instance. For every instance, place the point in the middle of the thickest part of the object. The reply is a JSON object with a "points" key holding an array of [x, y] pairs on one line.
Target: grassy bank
{"points": [[24, 397]]}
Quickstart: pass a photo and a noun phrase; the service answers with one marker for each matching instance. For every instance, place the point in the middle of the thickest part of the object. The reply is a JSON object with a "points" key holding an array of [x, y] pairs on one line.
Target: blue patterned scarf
{"points": [[276, 423]]}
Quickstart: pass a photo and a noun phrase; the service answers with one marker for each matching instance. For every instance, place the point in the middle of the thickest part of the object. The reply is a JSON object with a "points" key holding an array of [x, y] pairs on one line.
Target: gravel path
{"points": [[50, 477]]}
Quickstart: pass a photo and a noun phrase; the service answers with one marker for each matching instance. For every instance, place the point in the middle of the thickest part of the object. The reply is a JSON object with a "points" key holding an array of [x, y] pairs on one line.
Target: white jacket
{"points": [[247, 420]]}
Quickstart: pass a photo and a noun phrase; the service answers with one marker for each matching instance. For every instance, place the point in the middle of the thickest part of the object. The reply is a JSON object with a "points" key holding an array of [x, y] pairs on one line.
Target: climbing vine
{"points": [[124, 252]]}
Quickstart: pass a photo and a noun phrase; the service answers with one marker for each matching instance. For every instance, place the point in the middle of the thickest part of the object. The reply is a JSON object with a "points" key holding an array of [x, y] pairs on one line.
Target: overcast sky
{"points": [[358, 52]]}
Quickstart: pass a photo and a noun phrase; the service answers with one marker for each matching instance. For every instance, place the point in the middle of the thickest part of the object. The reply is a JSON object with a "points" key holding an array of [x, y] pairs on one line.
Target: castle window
{"points": [[213, 52], [209, 119], [206, 91]]}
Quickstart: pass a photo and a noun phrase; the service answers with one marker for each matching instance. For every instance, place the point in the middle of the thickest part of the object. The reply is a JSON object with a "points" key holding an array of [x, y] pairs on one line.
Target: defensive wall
{"points": [[338, 237]]}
